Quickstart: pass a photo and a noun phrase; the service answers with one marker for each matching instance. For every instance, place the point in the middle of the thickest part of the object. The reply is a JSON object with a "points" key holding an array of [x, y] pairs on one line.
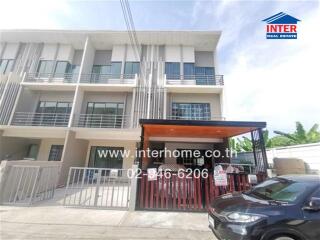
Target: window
{"points": [[205, 75], [104, 114], [188, 71], [280, 190], [131, 68], [100, 157], [62, 67], [55, 153], [45, 68], [116, 69], [101, 69], [172, 70], [52, 113], [191, 111], [6, 65]]}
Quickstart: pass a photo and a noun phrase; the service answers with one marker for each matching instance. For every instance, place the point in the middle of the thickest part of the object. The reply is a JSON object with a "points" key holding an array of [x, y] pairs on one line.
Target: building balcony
{"points": [[40, 119], [51, 81], [102, 121], [108, 82], [194, 83]]}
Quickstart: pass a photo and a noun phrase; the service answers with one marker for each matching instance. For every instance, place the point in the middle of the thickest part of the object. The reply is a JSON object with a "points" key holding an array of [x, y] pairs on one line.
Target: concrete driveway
{"points": [[49, 220]]}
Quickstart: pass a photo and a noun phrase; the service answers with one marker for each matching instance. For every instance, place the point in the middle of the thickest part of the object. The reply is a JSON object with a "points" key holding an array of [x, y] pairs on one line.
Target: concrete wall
{"points": [[15, 148], [45, 146], [213, 99], [204, 59], [74, 155], [172, 54], [127, 145], [29, 99]]}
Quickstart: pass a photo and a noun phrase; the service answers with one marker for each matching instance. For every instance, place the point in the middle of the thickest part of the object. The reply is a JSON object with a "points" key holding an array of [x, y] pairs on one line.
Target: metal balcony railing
{"points": [[216, 80], [102, 121], [200, 118], [95, 78], [41, 119], [52, 77]]}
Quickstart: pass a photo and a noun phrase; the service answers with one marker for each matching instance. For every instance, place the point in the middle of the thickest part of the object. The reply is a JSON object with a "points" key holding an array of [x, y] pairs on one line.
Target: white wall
{"points": [[310, 153], [74, 155], [65, 53], [204, 59], [188, 54], [172, 53], [49, 51], [118, 53]]}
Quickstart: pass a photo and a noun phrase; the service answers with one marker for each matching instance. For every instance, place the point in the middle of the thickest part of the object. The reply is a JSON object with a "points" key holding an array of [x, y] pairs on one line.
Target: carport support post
{"points": [[133, 190]]}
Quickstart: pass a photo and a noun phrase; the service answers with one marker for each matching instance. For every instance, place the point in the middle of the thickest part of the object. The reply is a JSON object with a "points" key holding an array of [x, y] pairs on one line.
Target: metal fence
{"points": [[102, 121], [98, 187], [41, 119], [52, 77], [97, 78], [194, 80], [26, 185]]}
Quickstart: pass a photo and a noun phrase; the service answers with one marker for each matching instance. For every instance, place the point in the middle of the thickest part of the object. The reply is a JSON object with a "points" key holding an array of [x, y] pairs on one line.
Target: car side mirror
{"points": [[313, 204]]}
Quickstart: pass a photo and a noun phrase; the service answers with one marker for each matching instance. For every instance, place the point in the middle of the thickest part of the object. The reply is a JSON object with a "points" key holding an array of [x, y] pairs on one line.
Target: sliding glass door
{"points": [[104, 114]]}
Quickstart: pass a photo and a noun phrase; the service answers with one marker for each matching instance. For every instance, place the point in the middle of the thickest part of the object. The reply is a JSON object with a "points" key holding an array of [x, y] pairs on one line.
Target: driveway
{"points": [[50, 220]]}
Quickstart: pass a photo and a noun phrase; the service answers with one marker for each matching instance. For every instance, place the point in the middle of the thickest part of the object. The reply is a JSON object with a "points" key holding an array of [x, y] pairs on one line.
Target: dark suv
{"points": [[281, 208]]}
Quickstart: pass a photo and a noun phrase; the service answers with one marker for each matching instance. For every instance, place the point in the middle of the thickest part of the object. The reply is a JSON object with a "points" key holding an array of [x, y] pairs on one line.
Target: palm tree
{"points": [[301, 136]]}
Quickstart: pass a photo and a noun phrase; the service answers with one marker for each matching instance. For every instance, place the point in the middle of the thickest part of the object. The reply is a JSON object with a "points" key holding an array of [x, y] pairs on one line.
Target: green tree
{"points": [[300, 135]]}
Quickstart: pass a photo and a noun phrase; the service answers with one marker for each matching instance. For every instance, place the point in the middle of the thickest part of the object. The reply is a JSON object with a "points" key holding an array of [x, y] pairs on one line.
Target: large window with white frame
{"points": [[104, 115], [191, 111], [51, 113]]}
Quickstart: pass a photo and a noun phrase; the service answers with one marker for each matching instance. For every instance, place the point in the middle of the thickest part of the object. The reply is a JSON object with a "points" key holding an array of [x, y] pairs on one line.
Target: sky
{"points": [[276, 81]]}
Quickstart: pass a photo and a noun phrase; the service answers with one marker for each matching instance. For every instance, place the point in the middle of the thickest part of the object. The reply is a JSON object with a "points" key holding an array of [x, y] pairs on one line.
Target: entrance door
{"points": [[106, 157]]}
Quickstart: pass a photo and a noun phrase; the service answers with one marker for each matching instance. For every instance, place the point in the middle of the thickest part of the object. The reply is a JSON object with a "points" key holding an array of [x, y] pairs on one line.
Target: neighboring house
{"points": [[66, 95]]}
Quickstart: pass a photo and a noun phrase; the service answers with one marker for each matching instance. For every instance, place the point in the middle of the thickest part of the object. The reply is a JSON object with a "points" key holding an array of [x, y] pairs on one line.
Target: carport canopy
{"points": [[197, 128]]}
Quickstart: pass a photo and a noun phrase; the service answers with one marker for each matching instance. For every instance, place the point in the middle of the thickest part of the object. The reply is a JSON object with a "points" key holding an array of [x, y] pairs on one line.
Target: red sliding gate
{"points": [[185, 193]]}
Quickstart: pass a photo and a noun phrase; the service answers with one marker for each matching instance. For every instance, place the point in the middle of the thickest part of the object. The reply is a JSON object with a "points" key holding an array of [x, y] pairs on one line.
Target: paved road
{"points": [[57, 222]]}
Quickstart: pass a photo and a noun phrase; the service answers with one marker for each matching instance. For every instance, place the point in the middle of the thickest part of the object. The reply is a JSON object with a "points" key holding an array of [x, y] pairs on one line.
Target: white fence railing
{"points": [[98, 187]]}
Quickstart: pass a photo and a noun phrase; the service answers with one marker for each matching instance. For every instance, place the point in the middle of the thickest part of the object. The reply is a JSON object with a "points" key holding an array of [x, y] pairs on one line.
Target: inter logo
{"points": [[281, 26]]}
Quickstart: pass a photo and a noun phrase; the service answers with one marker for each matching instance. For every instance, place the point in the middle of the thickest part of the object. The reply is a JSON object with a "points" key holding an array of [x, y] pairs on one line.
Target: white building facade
{"points": [[64, 95]]}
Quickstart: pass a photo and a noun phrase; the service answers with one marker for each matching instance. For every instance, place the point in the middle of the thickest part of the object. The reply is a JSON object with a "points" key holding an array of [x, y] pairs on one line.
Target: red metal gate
{"points": [[185, 193]]}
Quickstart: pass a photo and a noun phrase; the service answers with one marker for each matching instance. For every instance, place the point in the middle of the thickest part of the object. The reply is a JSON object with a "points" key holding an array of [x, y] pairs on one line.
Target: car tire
{"points": [[283, 237]]}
